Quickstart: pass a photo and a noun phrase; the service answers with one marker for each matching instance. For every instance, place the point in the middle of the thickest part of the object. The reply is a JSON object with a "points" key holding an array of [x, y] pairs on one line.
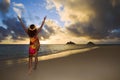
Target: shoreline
{"points": [[42, 53], [48, 56]]}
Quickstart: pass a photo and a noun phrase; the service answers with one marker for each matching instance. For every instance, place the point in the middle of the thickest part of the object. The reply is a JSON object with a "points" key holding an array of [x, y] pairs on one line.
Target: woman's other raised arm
{"points": [[24, 27], [39, 29]]}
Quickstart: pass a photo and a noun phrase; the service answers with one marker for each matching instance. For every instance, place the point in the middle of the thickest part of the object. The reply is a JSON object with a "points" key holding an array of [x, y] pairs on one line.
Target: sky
{"points": [[79, 21]]}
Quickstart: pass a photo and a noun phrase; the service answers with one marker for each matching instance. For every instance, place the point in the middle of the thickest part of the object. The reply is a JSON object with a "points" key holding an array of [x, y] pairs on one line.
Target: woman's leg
{"points": [[36, 57], [36, 61], [30, 63]]}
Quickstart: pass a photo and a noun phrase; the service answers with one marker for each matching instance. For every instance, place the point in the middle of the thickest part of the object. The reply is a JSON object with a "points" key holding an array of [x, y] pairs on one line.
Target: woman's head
{"points": [[32, 30]]}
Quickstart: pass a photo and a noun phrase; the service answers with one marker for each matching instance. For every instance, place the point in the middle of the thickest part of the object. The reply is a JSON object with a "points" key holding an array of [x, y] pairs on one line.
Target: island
{"points": [[90, 43], [70, 42]]}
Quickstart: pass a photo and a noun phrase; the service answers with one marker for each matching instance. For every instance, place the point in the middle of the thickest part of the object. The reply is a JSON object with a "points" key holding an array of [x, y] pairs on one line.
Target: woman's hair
{"points": [[32, 30]]}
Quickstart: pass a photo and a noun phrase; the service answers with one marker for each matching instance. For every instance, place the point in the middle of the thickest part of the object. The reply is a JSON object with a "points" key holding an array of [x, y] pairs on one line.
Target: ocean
{"points": [[21, 51]]}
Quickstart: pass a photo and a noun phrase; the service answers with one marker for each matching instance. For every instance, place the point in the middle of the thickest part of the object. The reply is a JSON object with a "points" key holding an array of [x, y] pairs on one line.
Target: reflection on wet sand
{"points": [[65, 53], [51, 56]]}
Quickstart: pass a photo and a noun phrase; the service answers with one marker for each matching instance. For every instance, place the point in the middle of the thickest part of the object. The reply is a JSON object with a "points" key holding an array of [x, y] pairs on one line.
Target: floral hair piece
{"points": [[32, 29]]}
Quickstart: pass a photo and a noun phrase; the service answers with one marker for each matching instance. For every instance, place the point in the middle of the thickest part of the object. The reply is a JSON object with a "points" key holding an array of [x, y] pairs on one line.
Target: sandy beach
{"points": [[101, 63]]}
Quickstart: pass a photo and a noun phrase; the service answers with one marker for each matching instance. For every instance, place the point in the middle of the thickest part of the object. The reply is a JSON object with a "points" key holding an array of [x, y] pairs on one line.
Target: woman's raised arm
{"points": [[24, 27], [39, 29]]}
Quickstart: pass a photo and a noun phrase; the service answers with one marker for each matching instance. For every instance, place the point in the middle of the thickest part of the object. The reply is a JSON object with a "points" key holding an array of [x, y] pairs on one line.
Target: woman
{"points": [[32, 32]]}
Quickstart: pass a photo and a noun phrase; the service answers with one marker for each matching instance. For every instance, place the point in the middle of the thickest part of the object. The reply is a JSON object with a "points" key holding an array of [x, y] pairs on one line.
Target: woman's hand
{"points": [[45, 18], [19, 18]]}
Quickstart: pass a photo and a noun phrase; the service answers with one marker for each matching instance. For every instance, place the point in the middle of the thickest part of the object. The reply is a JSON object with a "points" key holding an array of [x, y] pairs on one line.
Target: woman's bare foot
{"points": [[30, 71]]}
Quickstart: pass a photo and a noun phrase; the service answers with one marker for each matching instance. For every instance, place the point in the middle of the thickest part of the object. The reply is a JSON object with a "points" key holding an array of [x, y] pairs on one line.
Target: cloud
{"points": [[37, 17], [50, 29], [18, 8], [115, 33], [71, 11], [50, 5], [4, 6], [58, 35], [15, 32], [14, 27], [95, 19], [3, 33], [18, 5]]}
